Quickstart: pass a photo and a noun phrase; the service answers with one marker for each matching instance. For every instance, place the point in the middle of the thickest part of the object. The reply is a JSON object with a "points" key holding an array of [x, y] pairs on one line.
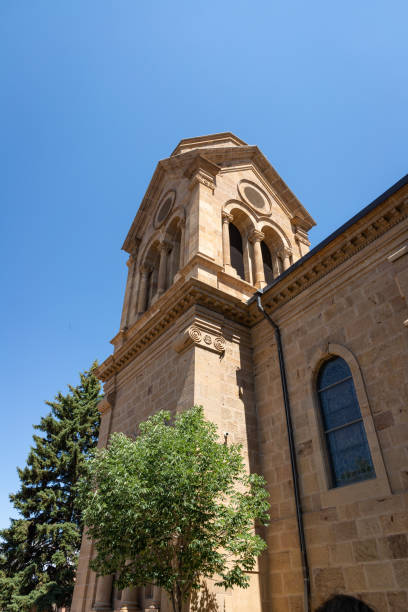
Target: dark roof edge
{"points": [[362, 213]]}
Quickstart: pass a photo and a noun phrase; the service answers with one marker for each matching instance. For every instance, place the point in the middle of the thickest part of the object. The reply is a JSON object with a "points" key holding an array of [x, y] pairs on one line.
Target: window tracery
{"points": [[348, 452]]}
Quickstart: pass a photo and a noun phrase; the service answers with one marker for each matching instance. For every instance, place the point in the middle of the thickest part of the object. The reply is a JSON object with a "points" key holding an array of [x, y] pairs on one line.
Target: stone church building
{"points": [[299, 354]]}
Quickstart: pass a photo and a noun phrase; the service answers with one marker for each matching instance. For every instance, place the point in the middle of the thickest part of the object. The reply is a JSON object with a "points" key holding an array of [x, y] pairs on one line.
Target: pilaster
{"points": [[203, 230]]}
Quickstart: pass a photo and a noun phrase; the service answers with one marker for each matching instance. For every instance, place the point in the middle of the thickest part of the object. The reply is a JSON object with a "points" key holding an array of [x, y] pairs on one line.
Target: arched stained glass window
{"points": [[236, 251], [347, 447]]}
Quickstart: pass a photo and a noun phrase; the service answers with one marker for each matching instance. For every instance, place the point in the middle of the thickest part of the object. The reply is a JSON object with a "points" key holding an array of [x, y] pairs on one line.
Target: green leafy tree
{"points": [[173, 506], [38, 553]]}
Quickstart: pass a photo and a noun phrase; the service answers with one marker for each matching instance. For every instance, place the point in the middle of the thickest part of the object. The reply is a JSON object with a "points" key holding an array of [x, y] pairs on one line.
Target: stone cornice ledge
{"points": [[301, 276], [146, 331]]}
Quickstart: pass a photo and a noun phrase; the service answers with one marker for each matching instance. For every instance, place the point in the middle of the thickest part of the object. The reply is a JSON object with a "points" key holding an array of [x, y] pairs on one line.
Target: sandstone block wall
{"points": [[356, 535]]}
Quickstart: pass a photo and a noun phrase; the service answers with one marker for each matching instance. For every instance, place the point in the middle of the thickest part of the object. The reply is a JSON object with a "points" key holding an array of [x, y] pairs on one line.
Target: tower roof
{"points": [[223, 139]]}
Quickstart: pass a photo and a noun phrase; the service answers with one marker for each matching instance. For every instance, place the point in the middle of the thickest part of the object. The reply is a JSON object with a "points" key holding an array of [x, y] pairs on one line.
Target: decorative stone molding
{"points": [[107, 402], [203, 179], [300, 229], [219, 344], [401, 277], [202, 163], [168, 308], [145, 268], [285, 252], [164, 245], [227, 217], [164, 208], [254, 196], [134, 247], [194, 336], [131, 261], [256, 236], [399, 253], [202, 171]]}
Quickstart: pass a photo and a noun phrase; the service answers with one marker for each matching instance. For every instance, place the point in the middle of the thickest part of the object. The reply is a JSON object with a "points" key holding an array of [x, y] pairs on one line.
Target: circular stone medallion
{"points": [[254, 196], [164, 207]]}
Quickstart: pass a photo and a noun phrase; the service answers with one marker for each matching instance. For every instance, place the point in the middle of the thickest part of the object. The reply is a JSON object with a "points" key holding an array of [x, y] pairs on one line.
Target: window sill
{"points": [[358, 491]]}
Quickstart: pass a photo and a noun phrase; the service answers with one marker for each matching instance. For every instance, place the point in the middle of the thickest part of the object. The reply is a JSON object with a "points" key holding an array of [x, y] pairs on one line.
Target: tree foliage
{"points": [[173, 506], [38, 552]]}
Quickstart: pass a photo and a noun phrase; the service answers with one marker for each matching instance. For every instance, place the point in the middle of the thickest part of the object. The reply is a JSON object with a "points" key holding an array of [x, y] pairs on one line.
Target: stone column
{"points": [[141, 304], [131, 264], [256, 237], [285, 255], [103, 596], [129, 599], [226, 220], [153, 599], [161, 285], [275, 265], [171, 264], [182, 227]]}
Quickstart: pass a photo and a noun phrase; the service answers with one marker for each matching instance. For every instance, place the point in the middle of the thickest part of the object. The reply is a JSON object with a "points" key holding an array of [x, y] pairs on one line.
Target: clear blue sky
{"points": [[95, 92]]}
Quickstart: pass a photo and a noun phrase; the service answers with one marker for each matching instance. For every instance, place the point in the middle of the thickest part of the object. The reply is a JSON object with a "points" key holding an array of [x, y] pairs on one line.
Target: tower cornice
{"points": [[163, 314]]}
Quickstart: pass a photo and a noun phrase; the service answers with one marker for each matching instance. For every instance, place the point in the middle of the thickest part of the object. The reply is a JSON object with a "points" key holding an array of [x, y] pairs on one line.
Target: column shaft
{"points": [[275, 265], [161, 286], [129, 599], [142, 291], [131, 263], [103, 593], [182, 226], [226, 220], [256, 238], [286, 259]]}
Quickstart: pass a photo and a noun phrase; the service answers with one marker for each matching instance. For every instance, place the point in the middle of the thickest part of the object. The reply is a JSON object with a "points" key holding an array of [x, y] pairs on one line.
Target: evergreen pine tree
{"points": [[39, 552]]}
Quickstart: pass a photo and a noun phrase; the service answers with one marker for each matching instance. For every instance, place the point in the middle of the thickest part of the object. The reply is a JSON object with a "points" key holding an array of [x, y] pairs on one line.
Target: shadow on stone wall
{"points": [[204, 601]]}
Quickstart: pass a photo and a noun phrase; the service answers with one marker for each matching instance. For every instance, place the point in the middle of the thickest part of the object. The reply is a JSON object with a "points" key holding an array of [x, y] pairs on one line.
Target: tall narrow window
{"points": [[347, 447], [237, 256], [267, 262]]}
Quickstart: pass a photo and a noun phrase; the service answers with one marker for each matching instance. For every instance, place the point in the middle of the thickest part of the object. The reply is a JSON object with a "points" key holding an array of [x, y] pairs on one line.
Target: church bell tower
{"points": [[216, 224]]}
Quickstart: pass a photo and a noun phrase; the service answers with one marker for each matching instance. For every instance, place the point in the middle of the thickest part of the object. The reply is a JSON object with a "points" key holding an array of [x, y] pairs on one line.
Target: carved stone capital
{"points": [[145, 269], [285, 252], [134, 248], [256, 236], [131, 261], [227, 217], [164, 245], [204, 179], [107, 402], [302, 239], [104, 406], [203, 165], [193, 335]]}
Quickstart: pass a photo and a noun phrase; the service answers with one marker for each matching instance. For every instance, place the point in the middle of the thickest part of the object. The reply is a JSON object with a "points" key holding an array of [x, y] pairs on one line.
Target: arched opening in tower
{"points": [[267, 262], [236, 251]]}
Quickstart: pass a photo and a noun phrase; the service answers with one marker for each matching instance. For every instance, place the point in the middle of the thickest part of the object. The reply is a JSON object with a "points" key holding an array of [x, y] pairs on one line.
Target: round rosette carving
{"points": [[207, 339], [219, 344], [195, 333]]}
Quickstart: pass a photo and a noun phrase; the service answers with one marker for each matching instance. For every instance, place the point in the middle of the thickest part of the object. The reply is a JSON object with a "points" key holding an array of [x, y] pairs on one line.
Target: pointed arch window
{"points": [[236, 250], [347, 448], [267, 262]]}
